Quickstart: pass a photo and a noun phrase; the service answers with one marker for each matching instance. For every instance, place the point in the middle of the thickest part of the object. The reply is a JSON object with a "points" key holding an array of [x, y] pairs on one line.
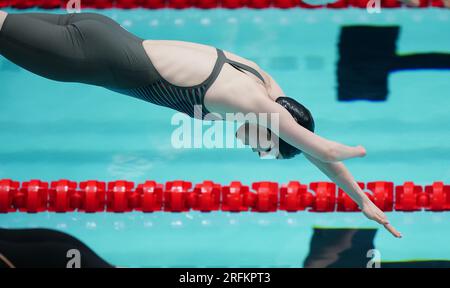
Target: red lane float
{"points": [[391, 4], [60, 196], [32, 197], [233, 4], [154, 4], [284, 4], [409, 197], [49, 4], [205, 197], [207, 4], [176, 196], [103, 4], [295, 197], [120, 196], [179, 4], [382, 194], [4, 3], [438, 197], [149, 197], [258, 4], [325, 196], [437, 3], [265, 198], [340, 4], [23, 4], [181, 196], [91, 196], [128, 4], [8, 191], [235, 197]]}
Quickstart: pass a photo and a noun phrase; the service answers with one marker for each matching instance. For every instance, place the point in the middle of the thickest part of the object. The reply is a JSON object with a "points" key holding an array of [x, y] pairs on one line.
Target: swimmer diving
{"points": [[93, 49]]}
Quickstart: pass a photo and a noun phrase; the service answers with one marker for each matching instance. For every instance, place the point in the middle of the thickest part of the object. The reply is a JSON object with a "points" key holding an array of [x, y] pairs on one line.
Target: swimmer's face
{"points": [[258, 138]]}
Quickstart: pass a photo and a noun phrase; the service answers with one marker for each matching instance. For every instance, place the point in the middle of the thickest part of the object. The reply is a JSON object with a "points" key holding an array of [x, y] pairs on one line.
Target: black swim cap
{"points": [[302, 116]]}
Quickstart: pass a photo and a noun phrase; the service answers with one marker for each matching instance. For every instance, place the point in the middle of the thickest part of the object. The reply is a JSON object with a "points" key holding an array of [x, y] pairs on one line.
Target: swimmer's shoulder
{"points": [[181, 44], [201, 47], [273, 89]]}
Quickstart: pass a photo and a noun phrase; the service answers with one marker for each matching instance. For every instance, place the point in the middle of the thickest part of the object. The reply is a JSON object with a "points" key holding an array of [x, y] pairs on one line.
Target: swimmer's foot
{"points": [[343, 152], [411, 3]]}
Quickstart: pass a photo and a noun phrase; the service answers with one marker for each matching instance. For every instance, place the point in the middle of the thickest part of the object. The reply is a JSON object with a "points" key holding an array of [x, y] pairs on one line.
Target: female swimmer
{"points": [[93, 49]]}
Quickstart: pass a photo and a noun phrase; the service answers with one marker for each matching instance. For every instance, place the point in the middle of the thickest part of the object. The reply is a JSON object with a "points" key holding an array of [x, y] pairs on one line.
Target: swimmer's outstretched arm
{"points": [[289, 130], [340, 175], [294, 134]]}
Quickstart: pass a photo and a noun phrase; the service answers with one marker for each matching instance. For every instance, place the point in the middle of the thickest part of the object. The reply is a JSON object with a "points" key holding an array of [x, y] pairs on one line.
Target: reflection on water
{"points": [[44, 248], [349, 248], [329, 248], [364, 65]]}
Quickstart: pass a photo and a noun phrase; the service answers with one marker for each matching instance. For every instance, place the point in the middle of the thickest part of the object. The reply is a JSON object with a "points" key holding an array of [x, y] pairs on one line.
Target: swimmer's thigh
{"points": [[80, 50]]}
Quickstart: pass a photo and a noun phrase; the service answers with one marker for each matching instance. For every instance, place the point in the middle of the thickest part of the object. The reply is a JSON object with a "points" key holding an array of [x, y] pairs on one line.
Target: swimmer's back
{"points": [[186, 63]]}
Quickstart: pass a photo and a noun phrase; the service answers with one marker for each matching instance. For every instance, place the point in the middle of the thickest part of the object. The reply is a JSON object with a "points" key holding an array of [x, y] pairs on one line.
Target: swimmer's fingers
{"points": [[382, 219], [375, 214], [392, 230], [379, 217]]}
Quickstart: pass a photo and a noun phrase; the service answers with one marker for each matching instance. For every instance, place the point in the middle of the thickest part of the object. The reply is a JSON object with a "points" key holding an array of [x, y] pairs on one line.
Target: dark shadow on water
{"points": [[44, 248], [347, 248], [329, 248], [368, 55]]}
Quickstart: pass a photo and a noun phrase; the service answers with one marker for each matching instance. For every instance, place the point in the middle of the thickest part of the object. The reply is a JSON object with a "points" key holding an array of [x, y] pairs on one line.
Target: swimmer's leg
{"points": [[66, 19], [87, 48], [52, 51], [47, 17]]}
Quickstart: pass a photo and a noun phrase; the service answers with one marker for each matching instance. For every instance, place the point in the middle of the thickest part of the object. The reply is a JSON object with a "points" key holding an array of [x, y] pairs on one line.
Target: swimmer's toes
{"points": [[361, 151]]}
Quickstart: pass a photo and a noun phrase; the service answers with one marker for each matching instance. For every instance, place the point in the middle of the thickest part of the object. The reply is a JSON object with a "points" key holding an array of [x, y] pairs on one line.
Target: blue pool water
{"points": [[51, 130]]}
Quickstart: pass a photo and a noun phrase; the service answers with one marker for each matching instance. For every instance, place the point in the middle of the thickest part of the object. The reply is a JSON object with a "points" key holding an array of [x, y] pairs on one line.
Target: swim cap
{"points": [[302, 116]]}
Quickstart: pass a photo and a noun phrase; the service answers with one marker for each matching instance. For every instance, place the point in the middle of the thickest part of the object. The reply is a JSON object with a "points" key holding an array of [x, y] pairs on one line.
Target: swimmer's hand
{"points": [[339, 174], [374, 213]]}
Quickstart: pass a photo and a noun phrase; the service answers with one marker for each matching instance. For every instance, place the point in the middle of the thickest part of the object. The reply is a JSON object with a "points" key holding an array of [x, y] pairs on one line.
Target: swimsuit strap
{"points": [[222, 59]]}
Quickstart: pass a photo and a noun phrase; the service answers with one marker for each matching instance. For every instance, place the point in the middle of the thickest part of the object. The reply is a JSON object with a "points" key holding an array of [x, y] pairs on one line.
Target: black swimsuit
{"points": [[93, 49], [184, 99]]}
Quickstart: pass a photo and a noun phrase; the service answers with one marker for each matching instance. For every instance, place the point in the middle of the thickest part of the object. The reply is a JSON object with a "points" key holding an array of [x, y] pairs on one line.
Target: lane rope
{"points": [[121, 196], [210, 4]]}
